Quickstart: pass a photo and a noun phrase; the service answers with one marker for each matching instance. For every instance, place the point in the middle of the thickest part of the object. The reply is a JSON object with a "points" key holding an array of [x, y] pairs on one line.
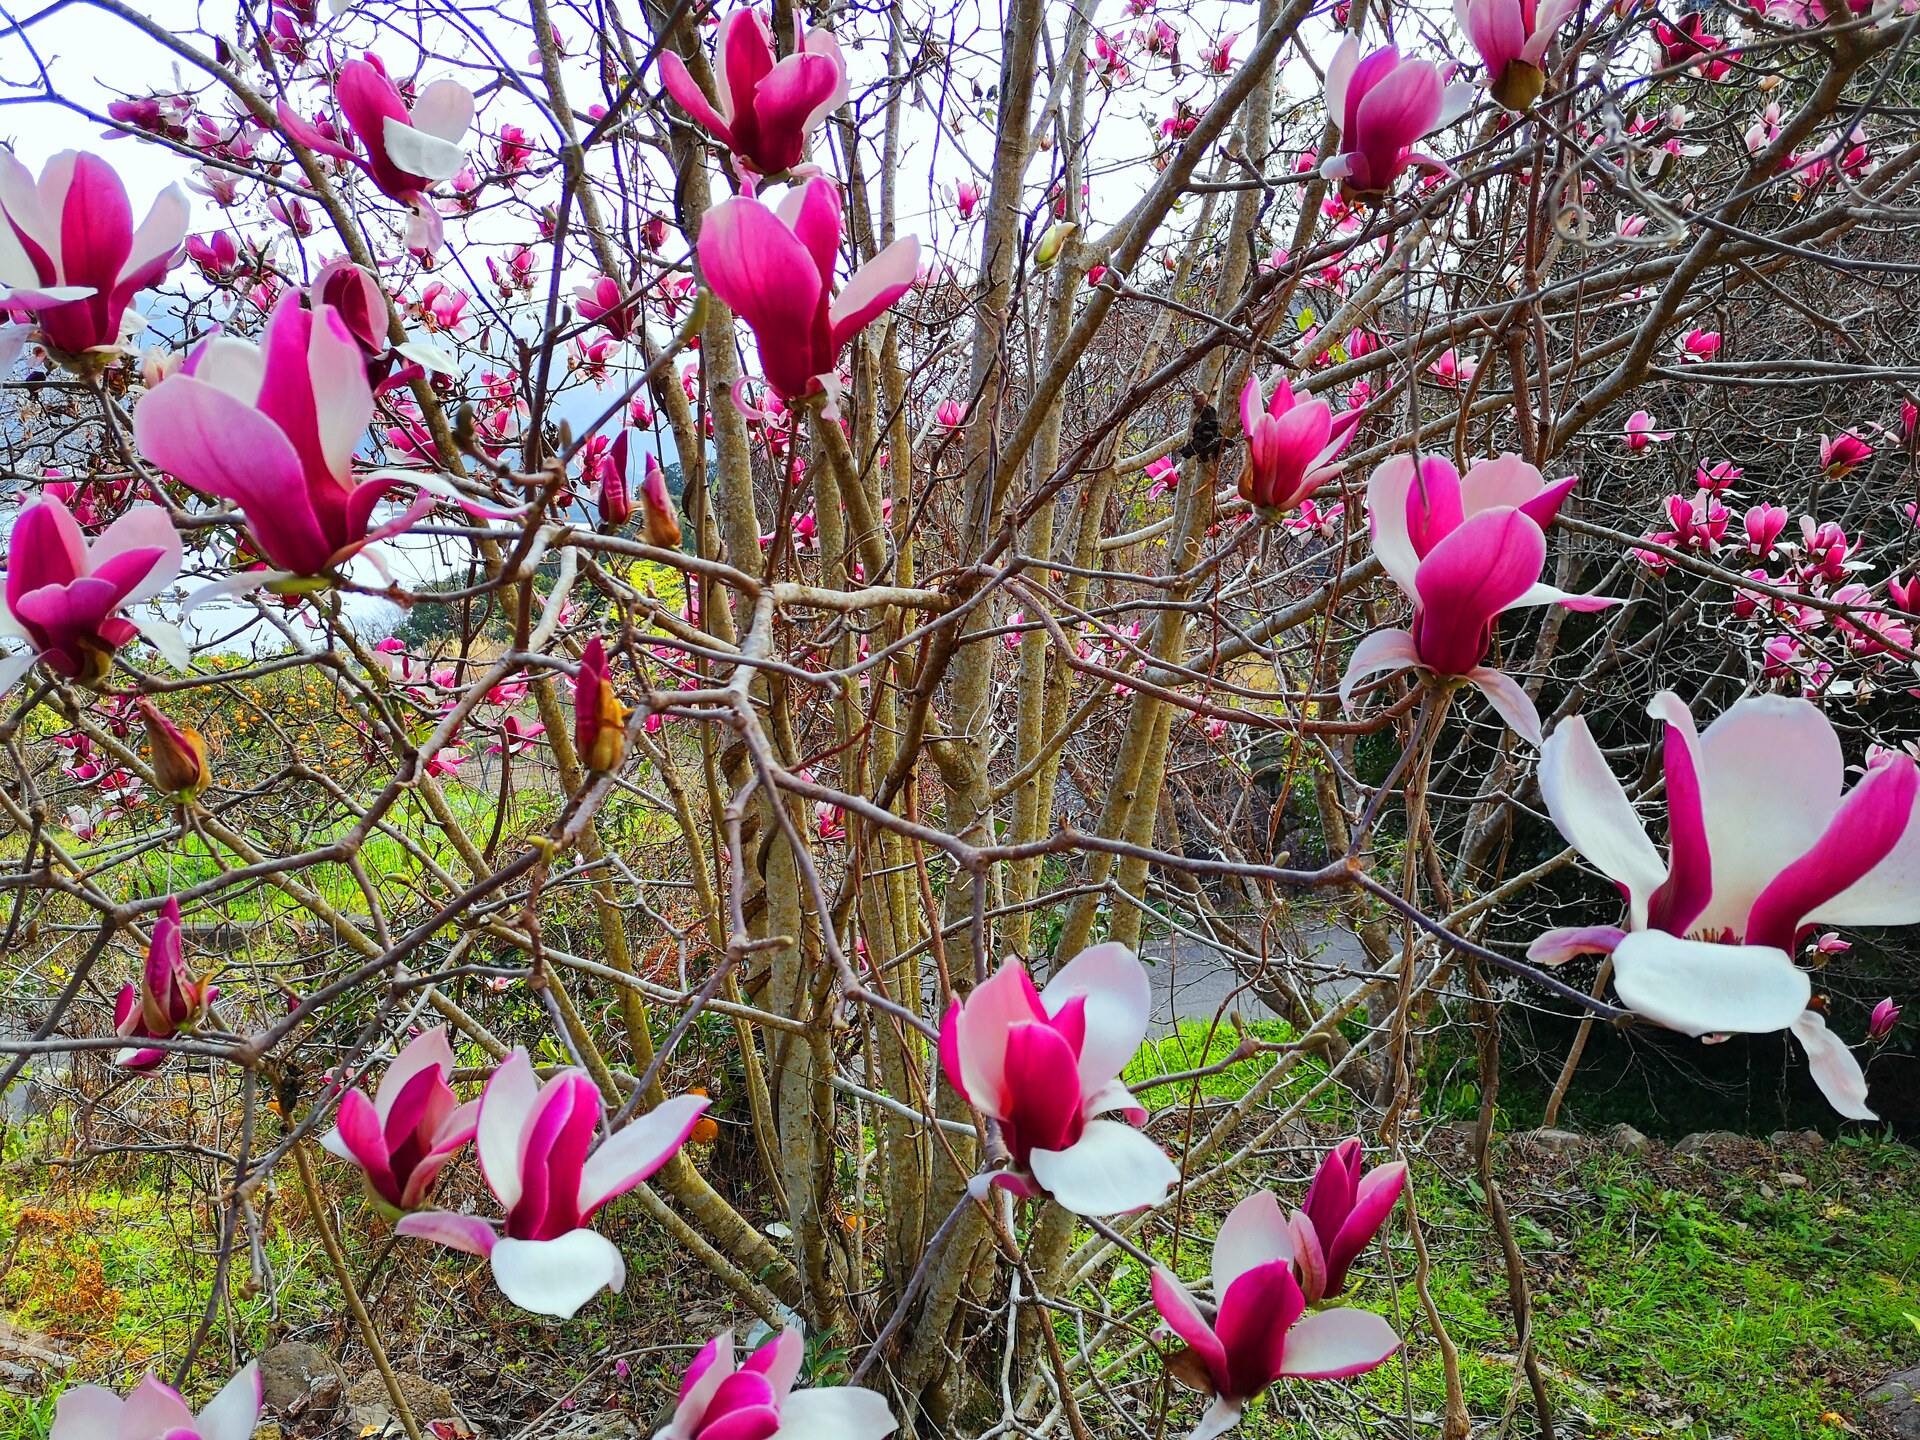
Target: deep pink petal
{"points": [[1873, 817], [1255, 1315], [761, 270], [1183, 1317], [1467, 580], [1689, 884], [683, 88]]}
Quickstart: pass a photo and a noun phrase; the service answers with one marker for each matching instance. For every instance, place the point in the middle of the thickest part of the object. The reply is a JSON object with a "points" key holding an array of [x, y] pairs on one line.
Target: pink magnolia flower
{"points": [[599, 719], [966, 198], [167, 1000], [403, 1137], [215, 256], [1218, 57], [1512, 37], [1698, 345], [70, 255], [1292, 445], [156, 1411], [1046, 1065], [1382, 106], [1905, 593], [950, 415], [1453, 368], [1640, 434], [64, 596], [1885, 1016], [1165, 475], [1258, 1329], [408, 148], [517, 736], [1765, 524], [1463, 550], [1691, 42], [599, 303], [444, 763], [768, 106], [1345, 1207], [1764, 843], [722, 1401], [1718, 476], [1842, 454], [775, 269], [534, 1142], [273, 428]]}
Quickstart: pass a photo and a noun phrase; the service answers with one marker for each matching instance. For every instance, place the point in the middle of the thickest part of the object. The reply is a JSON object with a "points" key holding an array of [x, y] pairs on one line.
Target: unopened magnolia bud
{"points": [[616, 500], [177, 754], [1054, 241], [599, 719], [663, 520]]}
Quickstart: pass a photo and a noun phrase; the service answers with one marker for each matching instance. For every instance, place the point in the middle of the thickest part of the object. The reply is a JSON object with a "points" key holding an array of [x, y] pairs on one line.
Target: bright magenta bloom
{"points": [[70, 254], [272, 428], [403, 1137], [408, 150], [1259, 1330], [534, 1141], [1763, 843], [1345, 1207], [167, 1000], [155, 1411], [1382, 106], [755, 1400], [1842, 454], [1291, 445], [1046, 1064], [1512, 37], [1462, 550], [775, 269], [63, 596], [1885, 1016], [768, 107], [1640, 433]]}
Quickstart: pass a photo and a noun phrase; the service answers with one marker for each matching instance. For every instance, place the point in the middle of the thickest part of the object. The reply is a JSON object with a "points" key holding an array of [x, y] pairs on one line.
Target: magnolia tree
{"points": [[617, 599]]}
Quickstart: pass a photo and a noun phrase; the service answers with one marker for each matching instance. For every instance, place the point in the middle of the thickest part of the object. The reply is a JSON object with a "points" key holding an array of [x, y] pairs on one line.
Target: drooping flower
{"points": [[1258, 1329], [534, 1142], [775, 269], [1046, 1065], [168, 999], [403, 1137], [1382, 106], [1640, 434], [1885, 1016], [768, 106], [154, 1410], [1345, 1207], [177, 755], [720, 1400], [408, 149], [1763, 843], [1842, 454], [64, 596], [599, 719], [1463, 550], [1512, 37], [69, 252], [273, 428], [1292, 444]]}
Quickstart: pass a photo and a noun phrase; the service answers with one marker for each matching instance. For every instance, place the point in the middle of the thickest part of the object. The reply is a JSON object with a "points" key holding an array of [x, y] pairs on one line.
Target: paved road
{"points": [[1194, 981]]}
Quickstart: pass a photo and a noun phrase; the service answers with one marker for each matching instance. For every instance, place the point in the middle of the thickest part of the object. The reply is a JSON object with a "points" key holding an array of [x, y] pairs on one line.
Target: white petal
{"points": [[86, 1412], [1339, 71], [1119, 1006], [1888, 894], [1387, 491], [835, 1412], [1512, 703], [418, 153], [504, 1107], [1222, 1415], [1592, 811], [1383, 650], [635, 1152], [557, 1277], [161, 232], [1333, 1344], [444, 110], [13, 665], [232, 1414], [1111, 1170], [1771, 775], [233, 366], [428, 357], [143, 527], [1835, 1070], [1254, 1233], [1702, 989], [165, 637]]}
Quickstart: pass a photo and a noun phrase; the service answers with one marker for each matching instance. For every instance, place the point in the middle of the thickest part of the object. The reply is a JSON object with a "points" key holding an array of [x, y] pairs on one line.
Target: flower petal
{"points": [[1556, 947], [1592, 811], [557, 1277], [417, 152], [1509, 700], [1254, 1233], [630, 1155], [505, 1105], [233, 1413], [1119, 1007], [874, 287], [1467, 580], [1835, 1070], [835, 1412], [1182, 1314], [1702, 989], [1383, 650], [1110, 1170], [468, 1233], [1338, 1343]]}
